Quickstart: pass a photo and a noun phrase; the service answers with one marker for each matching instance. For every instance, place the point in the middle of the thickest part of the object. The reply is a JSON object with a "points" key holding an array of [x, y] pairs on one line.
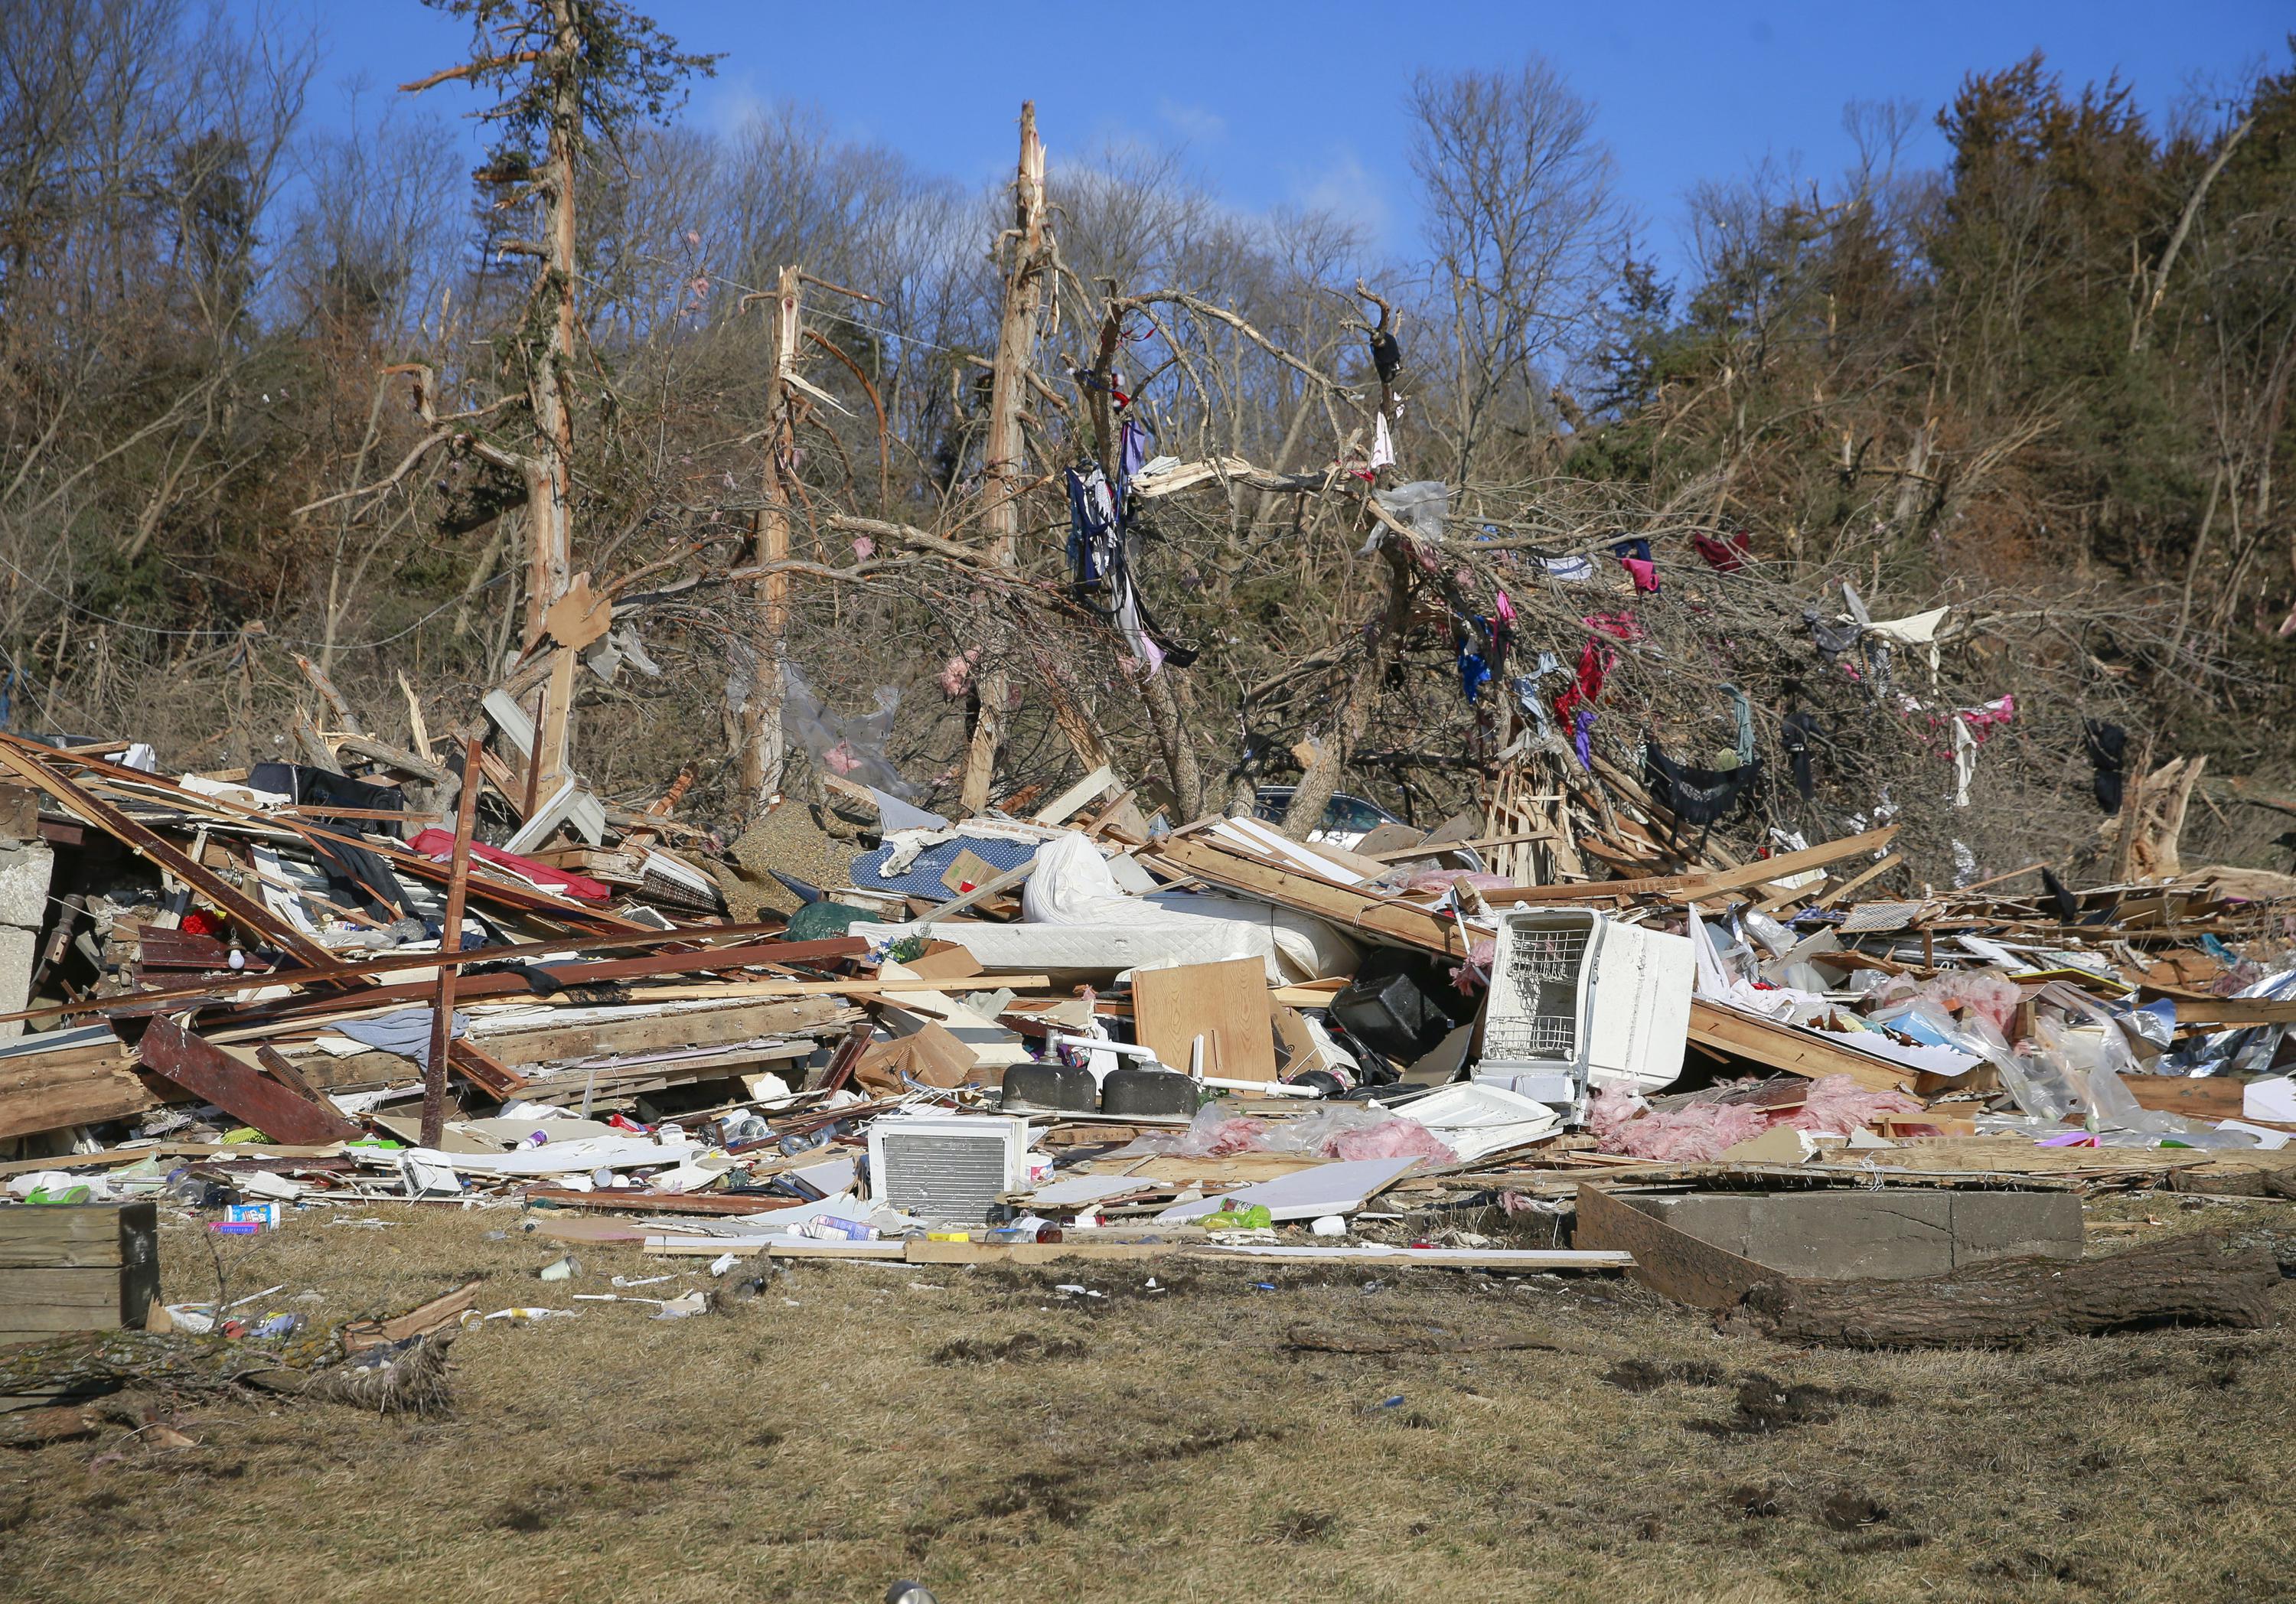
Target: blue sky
{"points": [[1301, 103]]}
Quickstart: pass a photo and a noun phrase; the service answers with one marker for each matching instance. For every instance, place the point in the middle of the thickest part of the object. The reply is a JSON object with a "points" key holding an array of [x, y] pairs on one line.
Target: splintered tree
{"points": [[566, 76]]}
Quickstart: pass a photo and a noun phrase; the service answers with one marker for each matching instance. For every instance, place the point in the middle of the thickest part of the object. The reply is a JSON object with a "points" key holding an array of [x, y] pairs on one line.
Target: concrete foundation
{"points": [[1895, 1234], [24, 872]]}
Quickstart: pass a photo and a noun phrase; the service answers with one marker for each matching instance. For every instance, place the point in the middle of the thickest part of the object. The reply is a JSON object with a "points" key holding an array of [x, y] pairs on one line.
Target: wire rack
{"points": [[1546, 957], [1538, 1016], [1539, 1036]]}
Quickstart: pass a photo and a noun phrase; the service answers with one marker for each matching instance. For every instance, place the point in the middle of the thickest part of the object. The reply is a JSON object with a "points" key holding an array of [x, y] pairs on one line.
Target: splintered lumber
{"points": [[81, 1084], [738, 951], [2194, 1279], [245, 1093], [1225, 1003], [1725, 1030], [1343, 905], [1697, 887], [146, 843], [305, 1367]]}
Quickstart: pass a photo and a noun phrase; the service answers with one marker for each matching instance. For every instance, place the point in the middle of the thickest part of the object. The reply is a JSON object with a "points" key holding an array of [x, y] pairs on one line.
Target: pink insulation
{"points": [[1838, 1105], [1697, 1135], [1700, 1132], [1391, 1139]]}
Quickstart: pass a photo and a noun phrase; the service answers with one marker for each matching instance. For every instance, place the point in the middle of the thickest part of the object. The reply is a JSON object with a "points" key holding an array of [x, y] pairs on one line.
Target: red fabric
{"points": [[1620, 625], [1593, 662], [197, 923], [1728, 556], [439, 844]]}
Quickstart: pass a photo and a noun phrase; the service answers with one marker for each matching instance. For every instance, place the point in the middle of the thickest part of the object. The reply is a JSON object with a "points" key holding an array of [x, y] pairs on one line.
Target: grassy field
{"points": [[1175, 1433]]}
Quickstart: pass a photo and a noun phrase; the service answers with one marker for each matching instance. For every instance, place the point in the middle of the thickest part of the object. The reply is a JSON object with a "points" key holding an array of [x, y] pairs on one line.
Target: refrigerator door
{"points": [[1637, 1008]]}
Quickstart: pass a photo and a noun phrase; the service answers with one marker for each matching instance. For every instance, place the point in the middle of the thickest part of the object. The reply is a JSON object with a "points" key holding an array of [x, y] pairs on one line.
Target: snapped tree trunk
{"points": [[1002, 474], [2186, 1280], [1322, 776]]}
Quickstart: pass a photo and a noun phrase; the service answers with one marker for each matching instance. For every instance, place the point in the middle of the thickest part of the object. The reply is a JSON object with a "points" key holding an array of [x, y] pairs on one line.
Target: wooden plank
{"points": [[1225, 1003], [622, 1201], [51, 1092], [1783, 1047], [78, 1236], [2204, 1097], [66, 1293], [1293, 888], [246, 1095], [2225, 1010], [1889, 862], [738, 1021], [1671, 1263]]}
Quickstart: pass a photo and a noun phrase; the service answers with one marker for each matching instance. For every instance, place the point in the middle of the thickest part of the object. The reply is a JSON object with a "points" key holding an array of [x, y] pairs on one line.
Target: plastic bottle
{"points": [[829, 1228]]}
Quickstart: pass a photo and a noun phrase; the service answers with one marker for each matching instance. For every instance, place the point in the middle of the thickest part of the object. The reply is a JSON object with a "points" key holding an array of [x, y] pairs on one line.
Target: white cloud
{"points": [[1198, 125], [1345, 188]]}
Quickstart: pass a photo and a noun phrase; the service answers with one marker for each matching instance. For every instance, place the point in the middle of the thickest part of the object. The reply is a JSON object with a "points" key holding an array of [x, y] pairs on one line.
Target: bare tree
{"points": [[1525, 235]]}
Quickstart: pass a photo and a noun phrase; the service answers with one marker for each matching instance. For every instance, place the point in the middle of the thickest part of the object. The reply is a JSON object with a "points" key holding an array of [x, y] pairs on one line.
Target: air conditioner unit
{"points": [[1579, 1001], [947, 1167]]}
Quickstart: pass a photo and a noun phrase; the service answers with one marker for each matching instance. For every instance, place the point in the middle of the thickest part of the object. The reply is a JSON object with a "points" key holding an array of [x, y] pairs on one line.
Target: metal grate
{"points": [[1539, 1036], [943, 1177]]}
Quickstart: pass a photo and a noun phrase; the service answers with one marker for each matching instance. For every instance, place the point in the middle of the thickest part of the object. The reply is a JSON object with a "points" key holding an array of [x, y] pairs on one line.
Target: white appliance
{"points": [[1580, 1002], [947, 1166]]}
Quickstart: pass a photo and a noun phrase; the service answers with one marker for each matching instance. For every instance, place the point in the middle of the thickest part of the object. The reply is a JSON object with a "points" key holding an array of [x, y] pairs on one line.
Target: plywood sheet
{"points": [[1226, 1003]]}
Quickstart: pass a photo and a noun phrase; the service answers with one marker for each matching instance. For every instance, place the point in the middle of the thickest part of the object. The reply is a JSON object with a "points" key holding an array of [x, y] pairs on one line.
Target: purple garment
{"points": [[1581, 737]]}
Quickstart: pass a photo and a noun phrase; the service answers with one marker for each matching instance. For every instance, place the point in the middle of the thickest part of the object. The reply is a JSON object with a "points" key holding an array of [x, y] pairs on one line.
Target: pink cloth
{"points": [[439, 844], [1644, 572]]}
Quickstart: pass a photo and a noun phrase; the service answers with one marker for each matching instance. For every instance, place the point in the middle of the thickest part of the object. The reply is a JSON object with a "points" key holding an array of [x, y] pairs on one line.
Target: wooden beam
{"points": [[450, 940], [1343, 905], [1724, 1030], [1693, 887], [248, 1095]]}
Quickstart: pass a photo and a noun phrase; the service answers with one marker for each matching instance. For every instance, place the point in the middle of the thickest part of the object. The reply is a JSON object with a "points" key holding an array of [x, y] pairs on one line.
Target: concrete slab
{"points": [[1894, 1234]]}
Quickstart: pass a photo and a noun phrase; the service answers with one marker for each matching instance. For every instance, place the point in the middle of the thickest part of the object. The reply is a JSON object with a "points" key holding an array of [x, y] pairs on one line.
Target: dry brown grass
{"points": [[826, 1437]]}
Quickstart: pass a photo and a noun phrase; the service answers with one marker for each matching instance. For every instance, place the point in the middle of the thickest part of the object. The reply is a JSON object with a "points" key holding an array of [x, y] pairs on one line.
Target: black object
{"points": [[1832, 639], [2068, 909], [1697, 797], [1144, 1093], [1050, 1088], [1400, 1004], [2108, 749], [1386, 356], [1799, 730], [359, 875]]}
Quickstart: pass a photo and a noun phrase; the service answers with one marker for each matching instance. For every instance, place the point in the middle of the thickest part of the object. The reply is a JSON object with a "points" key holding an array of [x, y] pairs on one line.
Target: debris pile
{"points": [[1083, 1029]]}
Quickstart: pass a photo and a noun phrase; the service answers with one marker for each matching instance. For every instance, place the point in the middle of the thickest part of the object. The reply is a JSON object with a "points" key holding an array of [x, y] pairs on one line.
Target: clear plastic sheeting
{"points": [[1425, 504], [853, 747]]}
